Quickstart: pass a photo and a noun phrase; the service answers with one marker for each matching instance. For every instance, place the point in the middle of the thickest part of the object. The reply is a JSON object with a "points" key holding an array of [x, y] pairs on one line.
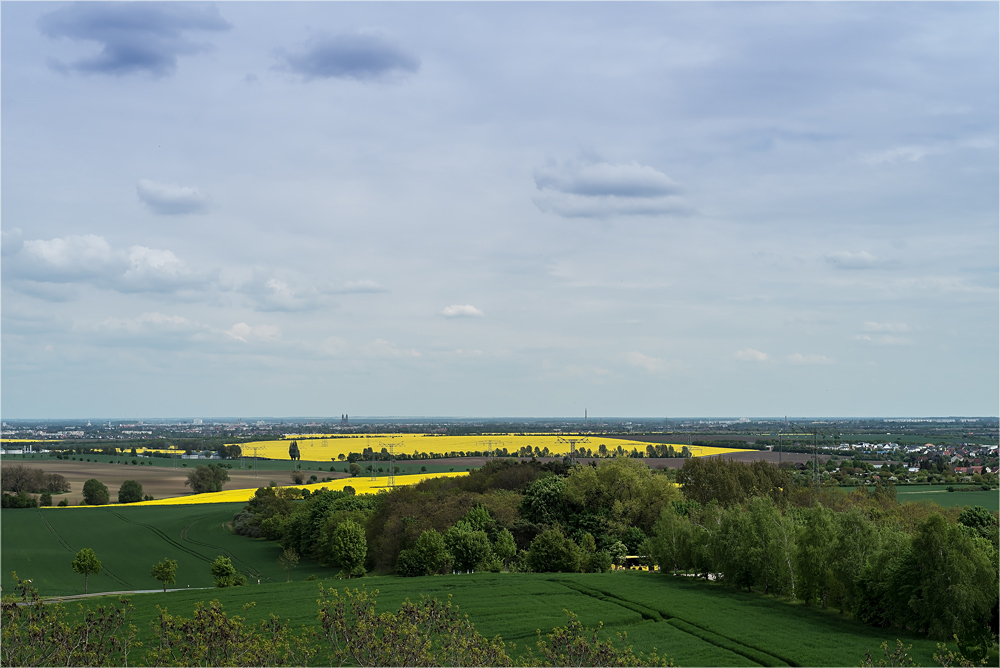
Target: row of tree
{"points": [[20, 478], [743, 525]]}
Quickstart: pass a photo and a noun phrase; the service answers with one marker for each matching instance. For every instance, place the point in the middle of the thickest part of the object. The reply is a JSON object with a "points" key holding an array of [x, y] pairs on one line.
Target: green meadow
{"points": [[40, 544], [695, 623], [940, 495]]}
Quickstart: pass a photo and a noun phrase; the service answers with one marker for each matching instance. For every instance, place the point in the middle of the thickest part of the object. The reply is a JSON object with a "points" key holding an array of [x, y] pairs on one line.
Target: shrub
{"points": [[552, 552], [209, 478], [95, 493], [129, 492], [45, 499], [225, 573]]}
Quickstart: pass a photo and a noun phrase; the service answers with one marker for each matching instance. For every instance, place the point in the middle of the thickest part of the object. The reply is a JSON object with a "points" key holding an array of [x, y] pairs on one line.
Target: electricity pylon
{"points": [[572, 446]]}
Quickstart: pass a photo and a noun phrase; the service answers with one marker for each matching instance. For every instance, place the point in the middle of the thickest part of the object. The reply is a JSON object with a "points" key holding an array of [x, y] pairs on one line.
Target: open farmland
{"points": [[964, 495], [157, 481], [322, 448], [693, 622]]}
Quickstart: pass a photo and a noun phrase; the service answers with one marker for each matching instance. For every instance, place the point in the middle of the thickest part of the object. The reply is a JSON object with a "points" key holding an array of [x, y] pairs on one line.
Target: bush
{"points": [[64, 503], [95, 493], [130, 492], [45, 499], [552, 552], [209, 478], [225, 573], [22, 500]]}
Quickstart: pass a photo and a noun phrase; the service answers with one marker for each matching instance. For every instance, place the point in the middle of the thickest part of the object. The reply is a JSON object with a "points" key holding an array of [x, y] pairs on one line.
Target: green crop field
{"points": [[40, 544], [695, 623], [940, 495]]}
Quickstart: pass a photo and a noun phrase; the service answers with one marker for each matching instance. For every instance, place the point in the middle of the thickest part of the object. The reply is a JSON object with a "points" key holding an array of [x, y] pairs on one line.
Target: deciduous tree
{"points": [[165, 571], [86, 562], [349, 548], [95, 493], [129, 492]]}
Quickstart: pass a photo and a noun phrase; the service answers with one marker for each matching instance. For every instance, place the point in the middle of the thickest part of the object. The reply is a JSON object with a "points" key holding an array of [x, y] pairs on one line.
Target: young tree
{"points": [[130, 492], [45, 499], [225, 573], [504, 546], [209, 478], [349, 547], [288, 560], [86, 562], [95, 493], [165, 572]]}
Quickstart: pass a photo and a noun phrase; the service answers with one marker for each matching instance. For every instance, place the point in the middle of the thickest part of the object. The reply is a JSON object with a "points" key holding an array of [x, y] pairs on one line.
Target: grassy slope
{"points": [[695, 623], [41, 544]]}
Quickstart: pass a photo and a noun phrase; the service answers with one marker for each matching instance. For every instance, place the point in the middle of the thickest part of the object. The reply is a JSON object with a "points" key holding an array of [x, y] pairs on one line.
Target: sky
{"points": [[516, 209]]}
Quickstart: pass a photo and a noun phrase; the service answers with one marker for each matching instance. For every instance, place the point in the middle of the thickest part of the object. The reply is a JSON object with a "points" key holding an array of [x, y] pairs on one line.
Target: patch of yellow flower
{"points": [[361, 485], [324, 448]]}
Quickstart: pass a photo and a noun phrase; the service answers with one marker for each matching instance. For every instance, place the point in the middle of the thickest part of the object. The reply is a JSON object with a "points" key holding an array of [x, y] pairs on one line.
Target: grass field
{"points": [[694, 623], [940, 495], [40, 544]]}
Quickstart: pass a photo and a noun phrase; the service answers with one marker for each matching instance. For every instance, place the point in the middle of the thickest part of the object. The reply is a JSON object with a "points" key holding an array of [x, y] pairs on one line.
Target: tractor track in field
{"points": [[167, 539], [62, 542], [749, 652], [185, 536], [53, 531]]}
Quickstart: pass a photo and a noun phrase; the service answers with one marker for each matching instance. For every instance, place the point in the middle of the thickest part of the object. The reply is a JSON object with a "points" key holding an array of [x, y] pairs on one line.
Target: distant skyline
{"points": [[485, 209]]}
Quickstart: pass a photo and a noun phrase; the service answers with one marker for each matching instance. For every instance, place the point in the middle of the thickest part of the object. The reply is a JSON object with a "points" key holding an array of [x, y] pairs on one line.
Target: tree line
{"points": [[750, 526]]}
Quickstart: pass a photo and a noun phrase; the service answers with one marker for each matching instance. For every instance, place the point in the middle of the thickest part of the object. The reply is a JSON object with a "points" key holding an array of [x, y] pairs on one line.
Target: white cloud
{"points": [[362, 286], [650, 364], [68, 259], [241, 331], [886, 327], [284, 291], [897, 154], [851, 260], [461, 311], [596, 189], [384, 349], [170, 199], [799, 358], [884, 339], [90, 260], [751, 355], [149, 330]]}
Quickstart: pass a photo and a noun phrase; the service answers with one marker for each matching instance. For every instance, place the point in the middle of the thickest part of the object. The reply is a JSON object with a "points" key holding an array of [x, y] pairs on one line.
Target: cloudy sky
{"points": [[667, 209]]}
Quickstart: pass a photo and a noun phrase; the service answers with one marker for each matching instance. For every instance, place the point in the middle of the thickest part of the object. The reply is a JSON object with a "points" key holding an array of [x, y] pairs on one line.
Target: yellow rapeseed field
{"points": [[360, 485], [324, 448]]}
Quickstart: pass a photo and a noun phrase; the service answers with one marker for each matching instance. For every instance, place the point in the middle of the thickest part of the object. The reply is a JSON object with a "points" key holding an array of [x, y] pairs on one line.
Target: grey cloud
{"points": [[134, 37], [597, 179], [170, 199], [594, 189], [360, 56]]}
